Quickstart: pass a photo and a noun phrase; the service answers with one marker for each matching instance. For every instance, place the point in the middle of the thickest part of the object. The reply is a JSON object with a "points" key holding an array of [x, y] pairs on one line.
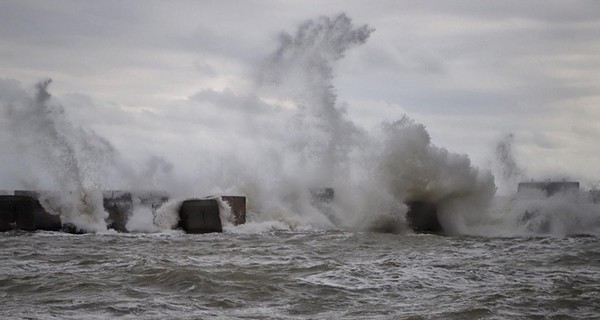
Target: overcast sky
{"points": [[150, 75]]}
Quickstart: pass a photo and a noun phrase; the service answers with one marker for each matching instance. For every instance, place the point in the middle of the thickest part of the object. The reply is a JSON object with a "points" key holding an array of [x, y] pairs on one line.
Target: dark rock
{"points": [[200, 216], [422, 217]]}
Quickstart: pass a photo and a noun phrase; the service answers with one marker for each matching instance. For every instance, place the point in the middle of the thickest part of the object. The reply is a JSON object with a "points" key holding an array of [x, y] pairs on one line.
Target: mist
{"points": [[277, 141]]}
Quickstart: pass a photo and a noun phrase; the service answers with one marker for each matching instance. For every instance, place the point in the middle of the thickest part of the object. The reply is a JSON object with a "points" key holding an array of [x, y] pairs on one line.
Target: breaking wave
{"points": [[312, 147]]}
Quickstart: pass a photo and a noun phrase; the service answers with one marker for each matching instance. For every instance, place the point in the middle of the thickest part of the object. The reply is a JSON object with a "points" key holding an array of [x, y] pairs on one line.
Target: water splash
{"points": [[508, 170], [312, 144], [301, 71], [48, 140], [373, 173]]}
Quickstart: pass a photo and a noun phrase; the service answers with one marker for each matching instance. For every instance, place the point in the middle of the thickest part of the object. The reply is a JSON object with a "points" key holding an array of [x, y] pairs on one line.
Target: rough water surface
{"points": [[297, 275]]}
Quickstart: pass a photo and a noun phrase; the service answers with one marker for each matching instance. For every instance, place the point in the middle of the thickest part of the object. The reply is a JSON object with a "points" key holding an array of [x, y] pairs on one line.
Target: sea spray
{"points": [[407, 167], [507, 171], [318, 146], [309, 144], [373, 173], [533, 211], [49, 140], [68, 166], [311, 148], [301, 71], [166, 217]]}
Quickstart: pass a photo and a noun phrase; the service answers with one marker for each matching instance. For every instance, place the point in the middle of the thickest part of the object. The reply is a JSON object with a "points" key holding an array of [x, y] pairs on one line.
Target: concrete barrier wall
{"points": [[8, 213], [238, 208], [24, 212], [422, 217], [119, 206], [32, 216], [200, 216]]}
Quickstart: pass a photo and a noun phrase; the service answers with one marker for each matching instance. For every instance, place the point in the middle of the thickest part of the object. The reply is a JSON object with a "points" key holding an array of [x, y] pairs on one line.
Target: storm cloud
{"points": [[150, 77]]}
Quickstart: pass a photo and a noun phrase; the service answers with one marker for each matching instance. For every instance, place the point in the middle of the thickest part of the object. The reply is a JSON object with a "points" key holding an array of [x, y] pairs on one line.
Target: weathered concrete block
{"points": [[119, 205], [422, 217], [29, 213], [200, 216], [8, 213], [238, 208], [25, 212], [29, 193]]}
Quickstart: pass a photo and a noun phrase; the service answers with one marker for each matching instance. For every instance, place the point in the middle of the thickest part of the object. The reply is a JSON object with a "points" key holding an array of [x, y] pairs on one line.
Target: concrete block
{"points": [[29, 193], [238, 208], [422, 217], [200, 216], [119, 205], [31, 215], [8, 213], [25, 213]]}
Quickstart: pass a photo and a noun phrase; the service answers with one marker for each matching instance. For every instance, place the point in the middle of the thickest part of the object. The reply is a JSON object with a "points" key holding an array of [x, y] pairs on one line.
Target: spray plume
{"points": [[373, 173], [51, 144], [312, 145]]}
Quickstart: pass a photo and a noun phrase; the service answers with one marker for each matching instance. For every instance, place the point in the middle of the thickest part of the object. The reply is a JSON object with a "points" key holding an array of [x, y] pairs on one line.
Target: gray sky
{"points": [[155, 76]]}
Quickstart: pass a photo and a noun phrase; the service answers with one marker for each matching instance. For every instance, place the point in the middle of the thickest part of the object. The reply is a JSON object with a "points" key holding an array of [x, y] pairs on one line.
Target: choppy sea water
{"points": [[297, 275]]}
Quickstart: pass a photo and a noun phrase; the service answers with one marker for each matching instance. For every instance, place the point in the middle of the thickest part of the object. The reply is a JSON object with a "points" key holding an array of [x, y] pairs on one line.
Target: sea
{"points": [[309, 274], [280, 139]]}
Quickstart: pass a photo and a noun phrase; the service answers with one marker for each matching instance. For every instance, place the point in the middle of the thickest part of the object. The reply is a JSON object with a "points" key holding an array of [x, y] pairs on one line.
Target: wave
{"points": [[313, 145]]}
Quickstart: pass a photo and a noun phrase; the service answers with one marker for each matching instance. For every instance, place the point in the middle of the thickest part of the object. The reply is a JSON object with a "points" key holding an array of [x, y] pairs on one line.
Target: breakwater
{"points": [[29, 210]]}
